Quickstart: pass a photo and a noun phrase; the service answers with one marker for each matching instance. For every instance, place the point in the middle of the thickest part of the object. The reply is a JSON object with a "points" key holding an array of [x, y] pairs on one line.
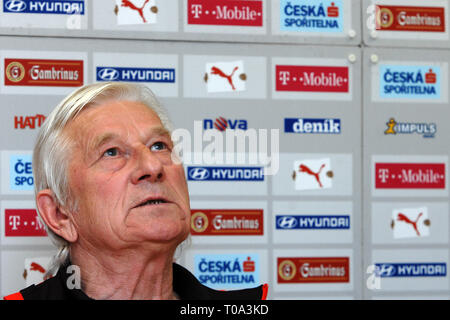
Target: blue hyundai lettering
{"points": [[225, 173], [44, 6], [164, 75], [284, 222], [390, 270]]}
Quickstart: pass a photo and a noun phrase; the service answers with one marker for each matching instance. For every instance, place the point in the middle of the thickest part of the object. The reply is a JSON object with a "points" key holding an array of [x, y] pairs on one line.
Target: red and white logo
{"points": [[42, 72], [225, 76], [136, 11], [410, 223], [409, 18], [35, 270], [430, 77], [333, 11], [410, 175], [249, 265], [29, 122], [312, 78], [227, 222], [313, 174], [313, 270], [225, 12], [23, 223]]}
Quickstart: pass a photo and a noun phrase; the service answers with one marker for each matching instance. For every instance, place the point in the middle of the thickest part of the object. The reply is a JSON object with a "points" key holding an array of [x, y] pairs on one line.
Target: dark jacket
{"points": [[185, 285]]}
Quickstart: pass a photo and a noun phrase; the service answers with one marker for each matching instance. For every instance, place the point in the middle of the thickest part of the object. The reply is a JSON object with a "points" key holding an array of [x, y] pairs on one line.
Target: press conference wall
{"points": [[358, 91]]}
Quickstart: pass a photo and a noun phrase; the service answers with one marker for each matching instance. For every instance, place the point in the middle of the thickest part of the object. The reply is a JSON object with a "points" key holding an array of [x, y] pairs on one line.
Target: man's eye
{"points": [[111, 152], [158, 146]]}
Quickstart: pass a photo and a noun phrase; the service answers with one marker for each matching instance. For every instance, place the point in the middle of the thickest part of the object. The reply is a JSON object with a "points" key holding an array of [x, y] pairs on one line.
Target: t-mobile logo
{"points": [[285, 76], [14, 222], [196, 10], [383, 174]]}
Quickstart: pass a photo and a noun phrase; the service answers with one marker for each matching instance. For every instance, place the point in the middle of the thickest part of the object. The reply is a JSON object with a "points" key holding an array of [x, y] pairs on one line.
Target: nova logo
{"points": [[312, 222], [390, 270], [222, 124], [163, 75], [225, 173], [300, 125], [44, 6]]}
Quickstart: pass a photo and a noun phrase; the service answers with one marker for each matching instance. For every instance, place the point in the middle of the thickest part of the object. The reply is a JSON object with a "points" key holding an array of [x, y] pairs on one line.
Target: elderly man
{"points": [[114, 201]]}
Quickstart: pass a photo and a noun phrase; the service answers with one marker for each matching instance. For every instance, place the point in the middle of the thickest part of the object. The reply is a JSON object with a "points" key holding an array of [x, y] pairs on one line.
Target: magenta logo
{"points": [[312, 78], [225, 12], [410, 175]]}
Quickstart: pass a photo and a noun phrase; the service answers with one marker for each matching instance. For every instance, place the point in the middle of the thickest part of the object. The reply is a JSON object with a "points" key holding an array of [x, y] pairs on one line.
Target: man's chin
{"points": [[162, 223], [163, 231]]}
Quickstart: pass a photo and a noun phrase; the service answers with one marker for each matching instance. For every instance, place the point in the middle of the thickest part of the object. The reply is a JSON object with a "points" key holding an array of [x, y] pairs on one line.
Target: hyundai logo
{"points": [[15, 5], [108, 74], [286, 222], [385, 270], [197, 173]]}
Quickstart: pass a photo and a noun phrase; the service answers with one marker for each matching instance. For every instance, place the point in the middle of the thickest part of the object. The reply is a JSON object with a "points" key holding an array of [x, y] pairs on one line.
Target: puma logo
{"points": [[132, 6], [37, 267], [305, 169], [220, 73], [404, 218]]}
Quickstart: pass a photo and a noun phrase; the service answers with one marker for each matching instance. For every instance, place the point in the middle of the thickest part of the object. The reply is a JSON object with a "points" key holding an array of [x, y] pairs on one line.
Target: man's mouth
{"points": [[151, 202]]}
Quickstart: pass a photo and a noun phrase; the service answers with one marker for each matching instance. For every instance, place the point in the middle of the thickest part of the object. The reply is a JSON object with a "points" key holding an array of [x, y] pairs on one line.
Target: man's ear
{"points": [[55, 217]]}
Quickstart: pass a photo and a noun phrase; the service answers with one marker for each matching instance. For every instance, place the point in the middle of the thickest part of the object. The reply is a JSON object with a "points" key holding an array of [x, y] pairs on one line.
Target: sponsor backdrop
{"points": [[357, 206]]}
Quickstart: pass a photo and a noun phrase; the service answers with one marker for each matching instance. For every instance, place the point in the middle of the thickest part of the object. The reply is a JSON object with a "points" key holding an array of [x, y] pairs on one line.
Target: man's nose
{"points": [[148, 167]]}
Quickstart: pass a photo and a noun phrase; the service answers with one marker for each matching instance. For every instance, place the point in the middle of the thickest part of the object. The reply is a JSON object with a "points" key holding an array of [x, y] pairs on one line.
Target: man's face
{"points": [[128, 190]]}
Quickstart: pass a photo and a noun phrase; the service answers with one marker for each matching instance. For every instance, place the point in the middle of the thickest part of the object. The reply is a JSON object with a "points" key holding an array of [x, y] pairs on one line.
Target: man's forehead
{"points": [[106, 136], [116, 119]]}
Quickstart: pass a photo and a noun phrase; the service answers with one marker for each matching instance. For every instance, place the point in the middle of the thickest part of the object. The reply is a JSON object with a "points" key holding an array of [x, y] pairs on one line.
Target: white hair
{"points": [[50, 161]]}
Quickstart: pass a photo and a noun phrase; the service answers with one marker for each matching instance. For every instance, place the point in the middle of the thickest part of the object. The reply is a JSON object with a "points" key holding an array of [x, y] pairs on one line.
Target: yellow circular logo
{"points": [[199, 222], [15, 72], [287, 270], [385, 18]]}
